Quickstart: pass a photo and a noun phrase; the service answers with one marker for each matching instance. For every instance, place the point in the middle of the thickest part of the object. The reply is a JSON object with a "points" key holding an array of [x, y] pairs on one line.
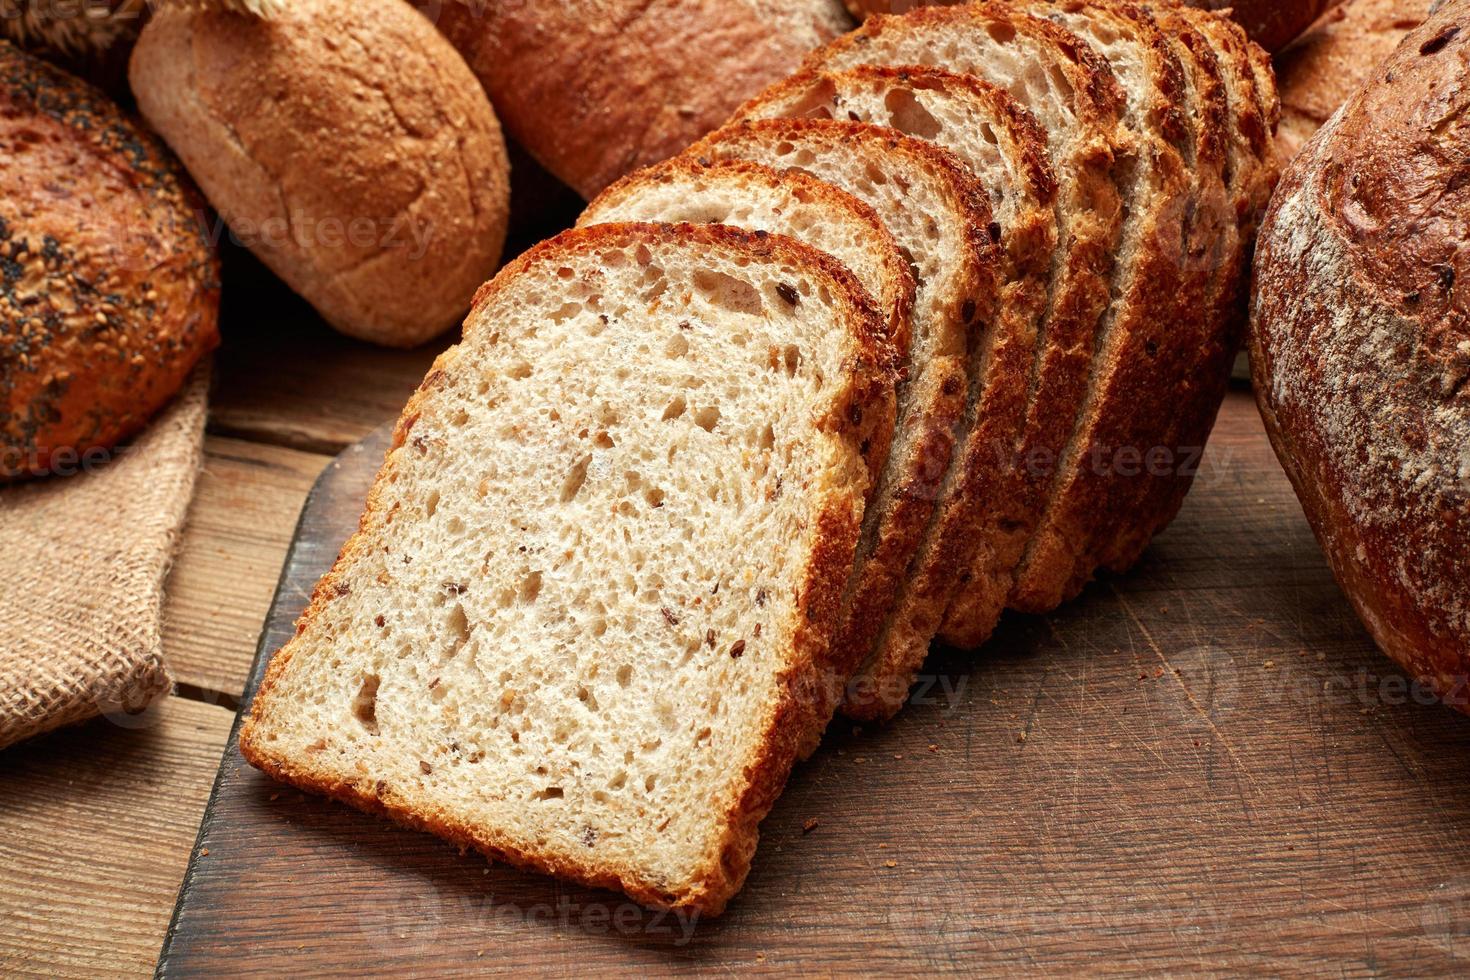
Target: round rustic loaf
{"points": [[347, 144], [596, 90], [109, 289], [1361, 347]]}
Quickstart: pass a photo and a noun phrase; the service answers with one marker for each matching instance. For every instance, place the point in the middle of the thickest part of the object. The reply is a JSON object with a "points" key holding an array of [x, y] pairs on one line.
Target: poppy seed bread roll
{"points": [[347, 144], [109, 290]]}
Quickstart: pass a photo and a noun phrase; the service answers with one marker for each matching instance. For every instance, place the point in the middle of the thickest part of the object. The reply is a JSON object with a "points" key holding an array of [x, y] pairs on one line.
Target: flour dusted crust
{"points": [[856, 404], [1361, 347], [109, 289]]}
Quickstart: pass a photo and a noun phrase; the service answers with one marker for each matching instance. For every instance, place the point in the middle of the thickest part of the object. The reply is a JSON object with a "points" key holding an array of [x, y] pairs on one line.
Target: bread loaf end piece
{"points": [[584, 624], [1360, 342]]}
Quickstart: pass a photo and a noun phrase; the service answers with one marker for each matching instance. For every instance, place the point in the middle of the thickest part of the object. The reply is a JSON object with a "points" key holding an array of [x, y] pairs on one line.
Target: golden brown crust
{"points": [[858, 408], [347, 144], [1361, 348], [595, 91], [109, 288], [1151, 332], [1253, 170]]}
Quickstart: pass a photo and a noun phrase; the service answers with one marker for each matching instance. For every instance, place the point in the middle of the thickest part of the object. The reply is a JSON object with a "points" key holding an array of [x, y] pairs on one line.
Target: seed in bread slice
{"points": [[551, 638], [984, 505], [1074, 96], [939, 216]]}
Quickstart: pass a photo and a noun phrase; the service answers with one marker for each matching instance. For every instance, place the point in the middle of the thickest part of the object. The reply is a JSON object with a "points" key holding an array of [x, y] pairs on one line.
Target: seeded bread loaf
{"points": [[550, 638], [109, 288], [347, 144], [1360, 345], [596, 90], [983, 500], [1325, 66], [939, 216]]}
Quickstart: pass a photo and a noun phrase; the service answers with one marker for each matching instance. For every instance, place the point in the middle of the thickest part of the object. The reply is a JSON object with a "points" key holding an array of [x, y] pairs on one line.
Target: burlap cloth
{"points": [[85, 557]]}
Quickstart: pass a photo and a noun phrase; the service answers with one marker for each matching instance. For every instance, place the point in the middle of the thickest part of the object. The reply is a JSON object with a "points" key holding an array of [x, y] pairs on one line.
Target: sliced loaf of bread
{"points": [[550, 638], [1251, 172], [1149, 333], [1073, 94], [984, 503], [940, 217]]}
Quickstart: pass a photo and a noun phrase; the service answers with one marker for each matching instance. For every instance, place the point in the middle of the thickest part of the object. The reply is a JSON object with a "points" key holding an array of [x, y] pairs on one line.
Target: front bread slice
{"points": [[551, 638]]}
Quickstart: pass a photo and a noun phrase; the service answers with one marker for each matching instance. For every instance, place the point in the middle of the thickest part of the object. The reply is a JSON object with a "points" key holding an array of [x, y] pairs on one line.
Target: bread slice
{"points": [[1073, 95], [984, 504], [939, 216], [550, 637], [1119, 407], [758, 198]]}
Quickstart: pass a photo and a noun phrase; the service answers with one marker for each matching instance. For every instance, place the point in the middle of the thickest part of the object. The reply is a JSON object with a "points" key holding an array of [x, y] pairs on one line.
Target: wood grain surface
{"points": [[97, 825], [1201, 767]]}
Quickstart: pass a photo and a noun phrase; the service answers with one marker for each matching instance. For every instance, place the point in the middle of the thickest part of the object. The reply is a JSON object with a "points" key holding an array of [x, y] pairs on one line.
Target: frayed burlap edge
{"points": [[86, 556]]}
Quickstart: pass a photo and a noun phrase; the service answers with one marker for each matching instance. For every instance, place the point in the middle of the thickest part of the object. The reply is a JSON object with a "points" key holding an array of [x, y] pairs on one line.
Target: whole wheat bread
{"points": [[939, 215], [984, 501], [550, 638], [1073, 94]]}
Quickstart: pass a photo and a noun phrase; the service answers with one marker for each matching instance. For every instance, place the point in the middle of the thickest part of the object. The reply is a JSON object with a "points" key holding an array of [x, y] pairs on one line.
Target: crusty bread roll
{"points": [[1360, 339], [347, 144], [596, 89], [1332, 61], [1271, 23], [109, 290]]}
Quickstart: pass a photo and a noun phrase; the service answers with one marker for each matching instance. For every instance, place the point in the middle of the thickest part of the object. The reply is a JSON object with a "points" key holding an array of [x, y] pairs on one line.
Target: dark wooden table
{"points": [[1203, 766]]}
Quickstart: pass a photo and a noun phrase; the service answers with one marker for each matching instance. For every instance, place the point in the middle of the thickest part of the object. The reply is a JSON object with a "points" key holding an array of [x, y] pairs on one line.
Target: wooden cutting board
{"points": [[1203, 766]]}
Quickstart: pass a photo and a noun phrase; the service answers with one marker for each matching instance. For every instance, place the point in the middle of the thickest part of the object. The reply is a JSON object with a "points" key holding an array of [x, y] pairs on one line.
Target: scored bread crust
{"points": [[859, 402], [1089, 212], [1360, 348], [982, 501], [797, 201], [933, 402], [1254, 172]]}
